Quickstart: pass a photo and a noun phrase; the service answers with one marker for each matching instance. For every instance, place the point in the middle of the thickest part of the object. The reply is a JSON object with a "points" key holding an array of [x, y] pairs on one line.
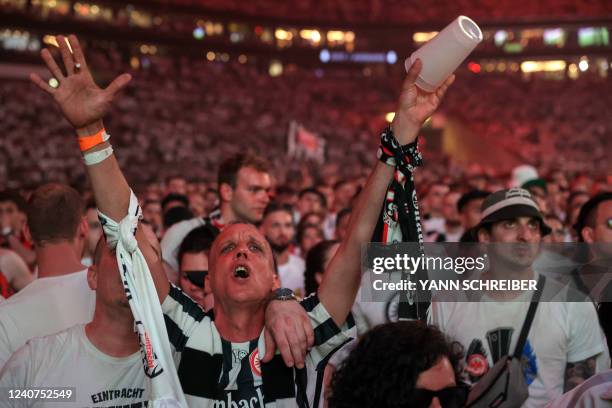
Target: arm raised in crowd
{"points": [[84, 104], [342, 277]]}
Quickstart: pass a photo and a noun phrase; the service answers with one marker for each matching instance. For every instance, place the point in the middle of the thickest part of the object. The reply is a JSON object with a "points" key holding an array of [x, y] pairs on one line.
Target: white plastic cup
{"points": [[445, 52]]}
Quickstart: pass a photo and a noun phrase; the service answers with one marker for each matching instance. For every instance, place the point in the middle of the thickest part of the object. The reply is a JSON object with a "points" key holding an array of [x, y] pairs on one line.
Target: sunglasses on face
{"points": [[195, 277], [450, 397]]}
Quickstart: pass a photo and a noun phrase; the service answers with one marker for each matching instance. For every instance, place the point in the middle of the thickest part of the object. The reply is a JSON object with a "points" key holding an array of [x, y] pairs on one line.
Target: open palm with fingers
{"points": [[81, 100], [416, 105]]}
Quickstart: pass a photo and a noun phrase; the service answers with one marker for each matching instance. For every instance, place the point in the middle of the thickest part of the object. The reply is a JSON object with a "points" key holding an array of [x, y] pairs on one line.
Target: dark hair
{"points": [[553, 216], [228, 171], [305, 217], [340, 183], [471, 196], [315, 262], [275, 207], [149, 202], [301, 230], [284, 190], [199, 239], [341, 214], [174, 197], [175, 177], [91, 205], [316, 192], [54, 212], [573, 195], [13, 196], [383, 368], [176, 214], [588, 212]]}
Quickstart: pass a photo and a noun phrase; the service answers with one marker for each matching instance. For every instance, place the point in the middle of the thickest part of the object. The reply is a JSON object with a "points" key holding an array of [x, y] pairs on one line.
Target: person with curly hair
{"points": [[402, 364]]}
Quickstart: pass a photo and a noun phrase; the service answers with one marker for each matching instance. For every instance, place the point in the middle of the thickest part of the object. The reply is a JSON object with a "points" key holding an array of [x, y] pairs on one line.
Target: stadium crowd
{"points": [[546, 123], [185, 133], [362, 11]]}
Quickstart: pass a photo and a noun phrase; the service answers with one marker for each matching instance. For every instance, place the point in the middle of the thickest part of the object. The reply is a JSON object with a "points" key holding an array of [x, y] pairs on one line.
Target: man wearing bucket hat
{"points": [[564, 345]]}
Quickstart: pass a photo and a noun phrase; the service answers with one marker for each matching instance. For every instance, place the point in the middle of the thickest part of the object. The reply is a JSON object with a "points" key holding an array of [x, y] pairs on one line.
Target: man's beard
{"points": [[278, 248]]}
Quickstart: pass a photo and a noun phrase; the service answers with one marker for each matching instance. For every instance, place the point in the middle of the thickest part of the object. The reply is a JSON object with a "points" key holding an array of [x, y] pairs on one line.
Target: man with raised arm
{"points": [[220, 363]]}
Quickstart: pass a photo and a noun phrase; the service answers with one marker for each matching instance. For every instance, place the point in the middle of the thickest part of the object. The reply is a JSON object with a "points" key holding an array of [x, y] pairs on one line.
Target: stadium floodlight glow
{"points": [[389, 117], [572, 71], [198, 33], [275, 69], [283, 35], [324, 56], [335, 36], [391, 57], [583, 65], [422, 37], [311, 35], [315, 36], [349, 36], [500, 37], [543, 66]]}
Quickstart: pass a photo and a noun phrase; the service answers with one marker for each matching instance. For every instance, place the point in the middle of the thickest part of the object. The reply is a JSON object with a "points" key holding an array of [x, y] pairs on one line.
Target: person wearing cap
{"points": [[565, 345], [594, 227]]}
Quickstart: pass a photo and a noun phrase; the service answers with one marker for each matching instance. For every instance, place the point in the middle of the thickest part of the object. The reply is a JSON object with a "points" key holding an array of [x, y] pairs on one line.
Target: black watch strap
{"points": [[283, 294]]}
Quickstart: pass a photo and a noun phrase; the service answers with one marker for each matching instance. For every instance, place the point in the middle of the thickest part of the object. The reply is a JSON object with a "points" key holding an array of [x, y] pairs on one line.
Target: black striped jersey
{"points": [[221, 374]]}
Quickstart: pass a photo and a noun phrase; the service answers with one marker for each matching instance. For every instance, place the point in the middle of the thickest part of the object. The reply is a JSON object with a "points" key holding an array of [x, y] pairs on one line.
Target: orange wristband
{"points": [[87, 142]]}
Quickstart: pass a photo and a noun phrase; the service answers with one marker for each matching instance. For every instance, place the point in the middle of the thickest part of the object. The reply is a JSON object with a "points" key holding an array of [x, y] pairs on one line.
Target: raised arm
{"points": [[84, 104], [342, 277]]}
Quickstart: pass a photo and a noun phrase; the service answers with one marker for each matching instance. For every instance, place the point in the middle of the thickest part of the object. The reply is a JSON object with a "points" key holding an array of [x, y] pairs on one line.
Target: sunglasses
{"points": [[450, 397], [195, 277]]}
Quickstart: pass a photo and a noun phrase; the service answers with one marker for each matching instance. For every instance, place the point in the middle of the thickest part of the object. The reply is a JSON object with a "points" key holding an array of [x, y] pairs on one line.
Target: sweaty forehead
{"points": [[240, 232]]}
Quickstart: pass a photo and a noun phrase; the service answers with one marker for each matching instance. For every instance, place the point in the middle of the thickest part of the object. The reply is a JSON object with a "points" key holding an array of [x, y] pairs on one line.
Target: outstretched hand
{"points": [[416, 105], [82, 102]]}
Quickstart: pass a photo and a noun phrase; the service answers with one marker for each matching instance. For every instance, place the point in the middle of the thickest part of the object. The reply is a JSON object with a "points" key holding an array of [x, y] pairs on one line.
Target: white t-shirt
{"points": [[69, 359], [454, 236], [435, 224], [173, 238], [561, 333], [46, 306], [329, 226], [596, 392], [291, 274]]}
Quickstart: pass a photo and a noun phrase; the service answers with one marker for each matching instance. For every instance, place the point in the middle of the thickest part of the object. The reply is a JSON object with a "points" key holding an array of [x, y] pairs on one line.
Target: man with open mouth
{"points": [[220, 362]]}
